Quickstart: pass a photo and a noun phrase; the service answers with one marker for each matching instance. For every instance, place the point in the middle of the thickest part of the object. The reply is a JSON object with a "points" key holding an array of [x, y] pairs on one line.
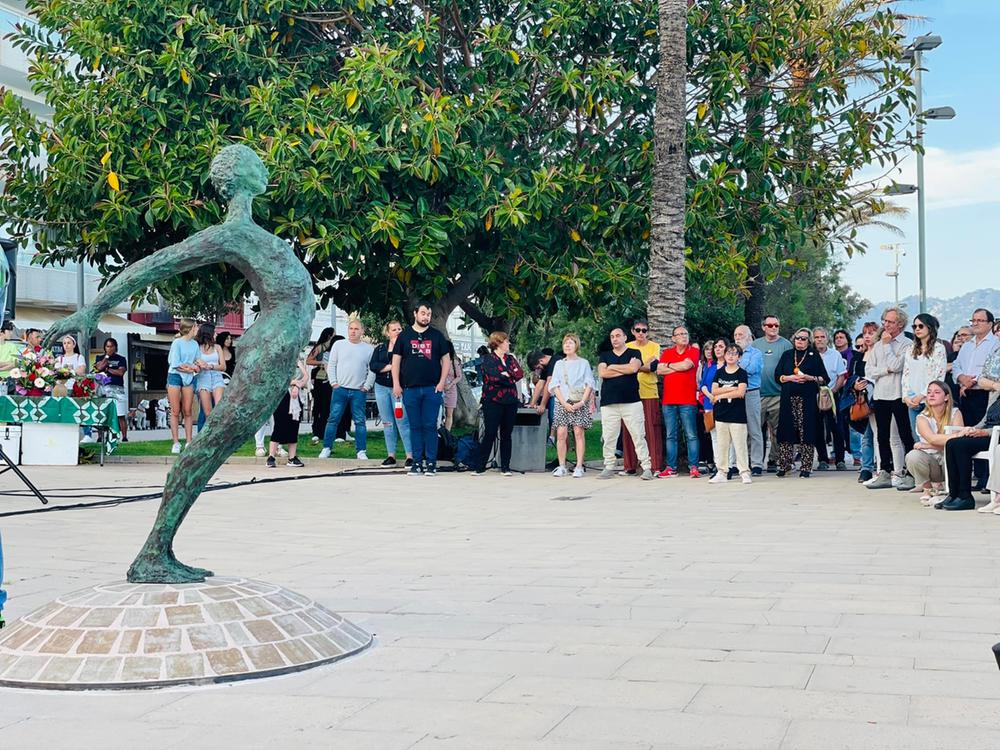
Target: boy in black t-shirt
{"points": [[729, 406], [420, 365]]}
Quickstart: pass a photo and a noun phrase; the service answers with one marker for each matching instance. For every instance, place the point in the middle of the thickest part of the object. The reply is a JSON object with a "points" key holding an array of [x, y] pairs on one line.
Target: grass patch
{"points": [[376, 447]]}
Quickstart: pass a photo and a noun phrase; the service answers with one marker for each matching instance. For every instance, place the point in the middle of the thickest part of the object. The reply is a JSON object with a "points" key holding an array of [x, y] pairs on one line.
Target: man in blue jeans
{"points": [[420, 365], [679, 369], [351, 379]]}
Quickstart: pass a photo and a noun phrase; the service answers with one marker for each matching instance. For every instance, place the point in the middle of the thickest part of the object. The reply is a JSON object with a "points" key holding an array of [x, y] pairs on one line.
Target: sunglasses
{"points": [[918, 326], [801, 338], [641, 330], [770, 325]]}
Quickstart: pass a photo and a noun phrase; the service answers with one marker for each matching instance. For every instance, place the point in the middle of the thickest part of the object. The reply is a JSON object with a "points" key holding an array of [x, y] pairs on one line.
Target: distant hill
{"points": [[953, 313]]}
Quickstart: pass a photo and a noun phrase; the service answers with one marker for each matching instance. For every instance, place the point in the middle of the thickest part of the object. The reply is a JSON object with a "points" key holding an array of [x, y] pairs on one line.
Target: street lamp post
{"points": [[897, 249], [915, 53]]}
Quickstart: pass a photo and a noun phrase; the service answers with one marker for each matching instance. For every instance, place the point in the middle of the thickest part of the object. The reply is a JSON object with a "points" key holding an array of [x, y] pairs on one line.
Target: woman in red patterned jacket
{"points": [[500, 400]]}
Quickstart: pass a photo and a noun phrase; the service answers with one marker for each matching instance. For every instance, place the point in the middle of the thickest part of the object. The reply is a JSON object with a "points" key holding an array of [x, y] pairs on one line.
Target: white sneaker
{"points": [[897, 479], [339, 440], [260, 453], [87, 439], [176, 448], [362, 456], [315, 440], [560, 471], [325, 453], [991, 506], [719, 478], [578, 472], [746, 477]]}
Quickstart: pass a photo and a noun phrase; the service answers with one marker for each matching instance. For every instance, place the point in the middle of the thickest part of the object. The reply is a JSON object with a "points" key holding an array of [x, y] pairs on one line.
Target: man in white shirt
{"points": [[836, 370], [350, 379], [884, 368]]}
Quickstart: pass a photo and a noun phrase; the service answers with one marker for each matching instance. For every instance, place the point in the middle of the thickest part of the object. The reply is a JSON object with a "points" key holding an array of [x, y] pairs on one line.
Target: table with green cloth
{"points": [[88, 412]]}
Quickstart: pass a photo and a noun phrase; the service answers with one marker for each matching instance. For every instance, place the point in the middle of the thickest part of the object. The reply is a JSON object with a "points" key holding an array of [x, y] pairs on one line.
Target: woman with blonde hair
{"points": [[381, 365], [180, 380], [926, 461], [501, 372], [572, 385]]}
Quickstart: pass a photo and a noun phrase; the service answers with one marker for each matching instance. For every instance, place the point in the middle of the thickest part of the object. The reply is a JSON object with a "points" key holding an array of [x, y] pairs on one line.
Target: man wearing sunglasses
{"points": [[649, 395], [772, 345]]}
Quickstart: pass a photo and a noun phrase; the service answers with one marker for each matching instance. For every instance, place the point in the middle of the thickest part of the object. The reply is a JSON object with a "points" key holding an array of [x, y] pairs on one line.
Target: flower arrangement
{"points": [[35, 373], [86, 386]]}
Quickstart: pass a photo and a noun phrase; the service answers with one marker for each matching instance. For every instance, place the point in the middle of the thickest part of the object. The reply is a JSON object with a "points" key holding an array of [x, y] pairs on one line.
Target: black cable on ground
{"points": [[116, 501]]}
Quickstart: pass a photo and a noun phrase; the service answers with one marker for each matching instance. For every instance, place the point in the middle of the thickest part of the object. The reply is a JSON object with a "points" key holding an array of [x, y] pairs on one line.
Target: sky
{"points": [[961, 165]]}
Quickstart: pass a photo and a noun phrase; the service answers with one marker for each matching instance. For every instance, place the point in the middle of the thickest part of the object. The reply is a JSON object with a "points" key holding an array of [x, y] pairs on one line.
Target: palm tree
{"points": [[667, 284]]}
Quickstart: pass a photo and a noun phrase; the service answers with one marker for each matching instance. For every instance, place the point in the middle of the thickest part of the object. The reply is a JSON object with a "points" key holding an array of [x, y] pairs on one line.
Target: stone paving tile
{"points": [[903, 681], [830, 735], [670, 729], [956, 712], [457, 718], [607, 693], [785, 703], [723, 673]]}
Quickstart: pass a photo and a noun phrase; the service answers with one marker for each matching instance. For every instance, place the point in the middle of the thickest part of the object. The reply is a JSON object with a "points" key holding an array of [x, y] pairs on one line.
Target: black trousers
{"points": [[958, 453], [829, 427], [885, 413], [321, 394], [973, 406], [497, 418]]}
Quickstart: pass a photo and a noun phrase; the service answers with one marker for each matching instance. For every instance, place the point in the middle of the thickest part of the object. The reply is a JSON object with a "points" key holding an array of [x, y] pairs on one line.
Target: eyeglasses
{"points": [[770, 325], [978, 320], [641, 330], [682, 333], [801, 338]]}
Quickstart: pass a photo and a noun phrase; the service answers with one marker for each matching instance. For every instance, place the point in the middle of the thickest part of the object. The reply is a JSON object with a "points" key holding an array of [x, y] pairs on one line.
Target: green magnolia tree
{"points": [[787, 101], [480, 154]]}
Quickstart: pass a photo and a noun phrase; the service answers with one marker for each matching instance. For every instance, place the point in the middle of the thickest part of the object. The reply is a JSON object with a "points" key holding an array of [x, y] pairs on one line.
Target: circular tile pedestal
{"points": [[125, 635]]}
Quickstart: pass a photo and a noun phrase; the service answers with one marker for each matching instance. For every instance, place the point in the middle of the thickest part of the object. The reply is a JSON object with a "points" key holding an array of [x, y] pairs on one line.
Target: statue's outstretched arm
{"points": [[198, 250]]}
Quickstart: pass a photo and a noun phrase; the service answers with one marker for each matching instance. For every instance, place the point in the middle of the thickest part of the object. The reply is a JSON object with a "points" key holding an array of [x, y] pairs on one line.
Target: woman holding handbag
{"points": [[712, 358], [860, 409]]}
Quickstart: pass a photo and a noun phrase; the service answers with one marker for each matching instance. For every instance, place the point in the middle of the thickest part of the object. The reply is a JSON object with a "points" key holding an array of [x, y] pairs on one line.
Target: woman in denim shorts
{"points": [[211, 365], [180, 380]]}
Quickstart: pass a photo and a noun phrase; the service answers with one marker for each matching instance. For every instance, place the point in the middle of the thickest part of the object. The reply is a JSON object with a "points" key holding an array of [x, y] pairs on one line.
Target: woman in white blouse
{"points": [[573, 385], [925, 362], [72, 360]]}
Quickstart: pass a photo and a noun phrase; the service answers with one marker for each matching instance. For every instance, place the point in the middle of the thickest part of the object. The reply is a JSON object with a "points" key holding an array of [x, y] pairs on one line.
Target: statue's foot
{"points": [[165, 569]]}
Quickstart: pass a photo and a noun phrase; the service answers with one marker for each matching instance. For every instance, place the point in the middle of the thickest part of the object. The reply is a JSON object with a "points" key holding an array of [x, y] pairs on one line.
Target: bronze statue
{"points": [[268, 350]]}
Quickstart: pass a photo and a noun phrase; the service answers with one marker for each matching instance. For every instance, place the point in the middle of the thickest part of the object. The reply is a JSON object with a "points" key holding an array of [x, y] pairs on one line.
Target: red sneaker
{"points": [[667, 472], [694, 472]]}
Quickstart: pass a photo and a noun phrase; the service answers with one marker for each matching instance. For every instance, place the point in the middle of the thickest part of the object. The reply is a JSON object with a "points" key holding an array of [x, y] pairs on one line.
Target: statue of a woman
{"points": [[268, 350]]}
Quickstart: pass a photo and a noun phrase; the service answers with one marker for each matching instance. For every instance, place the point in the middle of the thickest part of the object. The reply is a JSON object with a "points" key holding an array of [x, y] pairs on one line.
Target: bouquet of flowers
{"points": [[35, 373], [86, 386]]}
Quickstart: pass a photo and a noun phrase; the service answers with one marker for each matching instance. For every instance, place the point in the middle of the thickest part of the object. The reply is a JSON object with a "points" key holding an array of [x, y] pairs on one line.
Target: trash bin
{"points": [[531, 430]]}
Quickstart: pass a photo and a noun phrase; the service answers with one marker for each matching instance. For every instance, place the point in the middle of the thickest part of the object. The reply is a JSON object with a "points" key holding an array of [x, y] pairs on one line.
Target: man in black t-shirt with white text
{"points": [[619, 373], [420, 365]]}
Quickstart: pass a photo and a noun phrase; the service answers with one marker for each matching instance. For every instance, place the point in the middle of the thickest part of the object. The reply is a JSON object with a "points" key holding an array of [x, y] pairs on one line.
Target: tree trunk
{"points": [[667, 284], [753, 306]]}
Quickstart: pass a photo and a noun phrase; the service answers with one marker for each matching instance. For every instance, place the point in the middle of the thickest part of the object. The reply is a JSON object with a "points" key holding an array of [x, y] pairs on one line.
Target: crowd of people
{"points": [[908, 410]]}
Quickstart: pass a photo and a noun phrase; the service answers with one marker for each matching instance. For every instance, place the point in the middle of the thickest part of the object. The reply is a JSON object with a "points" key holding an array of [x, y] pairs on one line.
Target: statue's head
{"points": [[237, 169]]}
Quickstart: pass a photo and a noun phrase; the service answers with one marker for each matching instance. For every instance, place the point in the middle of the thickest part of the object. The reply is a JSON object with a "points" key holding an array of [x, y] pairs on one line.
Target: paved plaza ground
{"points": [[560, 614]]}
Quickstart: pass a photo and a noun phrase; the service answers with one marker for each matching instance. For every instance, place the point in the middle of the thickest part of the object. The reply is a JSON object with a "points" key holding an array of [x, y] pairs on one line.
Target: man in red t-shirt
{"points": [[679, 369]]}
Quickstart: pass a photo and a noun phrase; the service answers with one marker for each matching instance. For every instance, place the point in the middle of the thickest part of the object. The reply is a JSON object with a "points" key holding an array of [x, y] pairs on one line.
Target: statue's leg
{"points": [[226, 429]]}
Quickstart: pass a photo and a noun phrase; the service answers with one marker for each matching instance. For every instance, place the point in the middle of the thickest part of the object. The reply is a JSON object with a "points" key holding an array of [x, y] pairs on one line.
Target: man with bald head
{"points": [[753, 362]]}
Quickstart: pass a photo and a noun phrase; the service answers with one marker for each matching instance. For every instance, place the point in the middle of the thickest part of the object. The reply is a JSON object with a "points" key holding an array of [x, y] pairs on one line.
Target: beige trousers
{"points": [[611, 426], [735, 434], [925, 467]]}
